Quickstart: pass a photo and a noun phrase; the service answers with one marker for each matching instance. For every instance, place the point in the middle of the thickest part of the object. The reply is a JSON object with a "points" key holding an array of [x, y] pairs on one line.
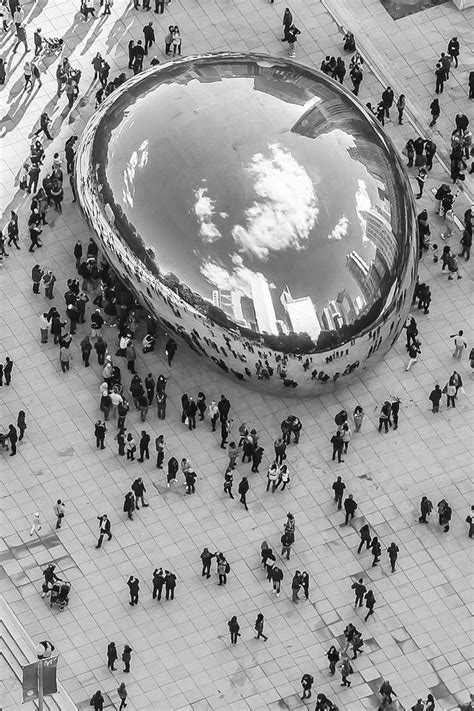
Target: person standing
{"points": [[243, 490], [276, 577], [129, 505], [97, 701], [259, 623], [393, 551], [144, 446], [126, 657], [360, 590], [307, 682], [13, 437], [365, 537], [122, 693], [350, 507], [304, 580], [149, 36], [160, 451], [173, 468], [170, 585], [171, 345], [158, 582], [470, 521], [295, 586], [134, 587], [333, 658], [460, 344], [440, 77], [234, 629], [21, 424], [213, 414], [112, 656], [7, 370], [104, 529], [99, 430], [401, 108], [59, 510], [138, 488], [206, 559], [369, 603], [426, 507], [150, 388], [86, 348], [287, 22], [387, 100], [435, 397], [161, 398], [337, 442], [287, 540]]}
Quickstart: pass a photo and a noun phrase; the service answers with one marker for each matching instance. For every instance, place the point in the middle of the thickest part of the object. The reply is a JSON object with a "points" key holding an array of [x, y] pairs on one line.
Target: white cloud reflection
{"points": [[204, 210], [239, 279], [137, 160], [340, 229], [285, 210]]}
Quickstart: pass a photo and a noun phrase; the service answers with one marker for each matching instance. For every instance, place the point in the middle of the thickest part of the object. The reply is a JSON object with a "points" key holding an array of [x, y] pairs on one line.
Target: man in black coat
{"points": [[338, 488], [138, 488], [134, 587], [337, 446], [387, 100], [243, 489], [170, 584], [360, 590], [144, 449], [149, 35], [158, 582], [350, 507], [104, 529], [223, 407]]}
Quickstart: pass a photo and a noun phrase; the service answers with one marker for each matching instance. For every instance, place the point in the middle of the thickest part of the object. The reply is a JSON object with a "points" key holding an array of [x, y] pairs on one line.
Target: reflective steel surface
{"points": [[258, 211]]}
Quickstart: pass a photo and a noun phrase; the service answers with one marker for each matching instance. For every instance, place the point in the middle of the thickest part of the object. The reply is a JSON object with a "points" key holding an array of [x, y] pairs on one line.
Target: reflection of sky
{"points": [[214, 178]]}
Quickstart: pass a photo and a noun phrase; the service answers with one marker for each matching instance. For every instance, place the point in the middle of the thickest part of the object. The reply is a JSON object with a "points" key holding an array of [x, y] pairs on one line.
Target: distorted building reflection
{"points": [[258, 212]]}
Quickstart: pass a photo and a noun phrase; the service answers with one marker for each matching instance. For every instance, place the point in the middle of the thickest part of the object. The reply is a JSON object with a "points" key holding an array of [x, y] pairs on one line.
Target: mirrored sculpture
{"points": [[258, 212]]}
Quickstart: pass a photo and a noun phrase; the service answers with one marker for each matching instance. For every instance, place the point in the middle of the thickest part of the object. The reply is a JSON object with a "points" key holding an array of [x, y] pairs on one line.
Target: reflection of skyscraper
{"points": [[323, 117], [346, 306], [378, 231], [230, 302], [302, 314], [263, 305], [367, 279]]}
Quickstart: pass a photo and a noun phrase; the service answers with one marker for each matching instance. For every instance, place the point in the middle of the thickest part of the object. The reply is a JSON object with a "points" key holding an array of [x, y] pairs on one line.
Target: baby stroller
{"points": [[53, 45], [60, 594]]}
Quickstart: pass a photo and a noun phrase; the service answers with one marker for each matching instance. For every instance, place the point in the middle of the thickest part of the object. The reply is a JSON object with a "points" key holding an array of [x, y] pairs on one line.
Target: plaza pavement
{"points": [[420, 637]]}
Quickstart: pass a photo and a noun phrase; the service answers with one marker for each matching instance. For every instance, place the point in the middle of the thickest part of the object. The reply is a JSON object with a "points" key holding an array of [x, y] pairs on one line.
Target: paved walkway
{"points": [[420, 637]]}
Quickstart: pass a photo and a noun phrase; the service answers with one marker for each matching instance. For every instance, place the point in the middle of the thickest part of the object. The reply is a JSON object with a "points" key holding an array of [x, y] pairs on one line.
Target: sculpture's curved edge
{"points": [[226, 348]]}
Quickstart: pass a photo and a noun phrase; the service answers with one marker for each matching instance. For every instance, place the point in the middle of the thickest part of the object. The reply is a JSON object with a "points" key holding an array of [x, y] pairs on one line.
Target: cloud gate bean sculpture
{"points": [[258, 212]]}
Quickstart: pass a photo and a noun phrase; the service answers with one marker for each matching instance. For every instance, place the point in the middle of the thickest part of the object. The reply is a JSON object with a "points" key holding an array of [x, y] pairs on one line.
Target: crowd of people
{"points": [[95, 288]]}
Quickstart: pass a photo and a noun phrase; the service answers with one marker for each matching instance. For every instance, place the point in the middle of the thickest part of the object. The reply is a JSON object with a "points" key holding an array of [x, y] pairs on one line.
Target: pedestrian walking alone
{"points": [[393, 551], [365, 537], [243, 490], [59, 510], [350, 507], [122, 693], [307, 682], [104, 529], [234, 629], [360, 590], [259, 623], [369, 603], [338, 488]]}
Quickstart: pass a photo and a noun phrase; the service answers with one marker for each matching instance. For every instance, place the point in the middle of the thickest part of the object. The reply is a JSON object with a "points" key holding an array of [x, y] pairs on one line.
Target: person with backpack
{"points": [[223, 569], [307, 682]]}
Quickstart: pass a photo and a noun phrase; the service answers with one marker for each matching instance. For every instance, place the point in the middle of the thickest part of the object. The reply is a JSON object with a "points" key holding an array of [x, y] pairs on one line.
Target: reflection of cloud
{"points": [[285, 209], [362, 205], [204, 209], [138, 159], [240, 279], [340, 229]]}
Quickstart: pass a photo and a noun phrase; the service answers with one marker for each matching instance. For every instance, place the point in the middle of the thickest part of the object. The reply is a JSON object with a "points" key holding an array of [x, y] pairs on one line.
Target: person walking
{"points": [[112, 656], [346, 670], [414, 351], [346, 436], [259, 623], [126, 657], [387, 692], [276, 578], [59, 509], [365, 537], [338, 488], [350, 507], [173, 468], [450, 390], [360, 590], [129, 505], [171, 345], [444, 514], [435, 111], [21, 424], [369, 603], [453, 50], [134, 587], [460, 344], [234, 629], [138, 488], [333, 657], [104, 529], [401, 102], [376, 549], [393, 551], [243, 490], [36, 524], [97, 701], [149, 36], [122, 693], [307, 682], [426, 507]]}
